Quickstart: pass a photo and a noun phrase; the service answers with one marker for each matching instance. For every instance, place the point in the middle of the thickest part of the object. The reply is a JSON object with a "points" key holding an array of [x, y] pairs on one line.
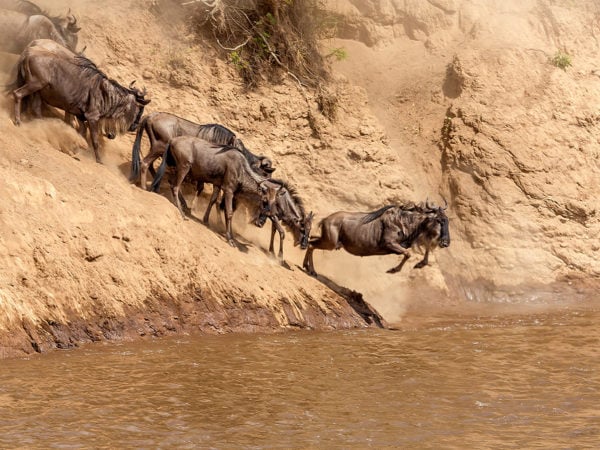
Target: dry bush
{"points": [[265, 38]]}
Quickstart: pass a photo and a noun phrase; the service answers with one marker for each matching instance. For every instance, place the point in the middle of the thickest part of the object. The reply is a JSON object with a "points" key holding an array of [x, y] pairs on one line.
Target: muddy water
{"points": [[522, 382]]}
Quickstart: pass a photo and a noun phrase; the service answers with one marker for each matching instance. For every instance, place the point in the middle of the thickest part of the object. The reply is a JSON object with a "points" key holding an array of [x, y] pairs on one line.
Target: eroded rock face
{"points": [[518, 135]]}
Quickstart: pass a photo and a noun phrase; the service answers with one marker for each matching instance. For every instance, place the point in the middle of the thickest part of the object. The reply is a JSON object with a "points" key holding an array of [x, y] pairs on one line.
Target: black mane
{"points": [[370, 217], [293, 192], [216, 133], [90, 68]]}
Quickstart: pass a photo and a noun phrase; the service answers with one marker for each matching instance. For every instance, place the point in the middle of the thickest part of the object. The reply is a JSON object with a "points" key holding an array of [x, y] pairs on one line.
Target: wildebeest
{"points": [[391, 229], [162, 126], [288, 210], [79, 89], [225, 167], [19, 29], [50, 46]]}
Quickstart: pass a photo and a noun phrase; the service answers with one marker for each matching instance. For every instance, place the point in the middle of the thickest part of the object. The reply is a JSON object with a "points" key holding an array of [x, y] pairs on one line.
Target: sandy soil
{"points": [[441, 99]]}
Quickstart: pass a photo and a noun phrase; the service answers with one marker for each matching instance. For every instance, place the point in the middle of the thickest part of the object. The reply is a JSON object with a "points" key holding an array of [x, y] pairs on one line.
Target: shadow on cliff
{"points": [[357, 302]]}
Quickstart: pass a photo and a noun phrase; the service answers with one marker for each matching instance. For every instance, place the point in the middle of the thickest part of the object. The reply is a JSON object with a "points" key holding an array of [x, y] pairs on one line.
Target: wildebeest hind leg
{"points": [[276, 226], [199, 189], [424, 261], [398, 268], [308, 261], [94, 130], [229, 216], [20, 94], [181, 173]]}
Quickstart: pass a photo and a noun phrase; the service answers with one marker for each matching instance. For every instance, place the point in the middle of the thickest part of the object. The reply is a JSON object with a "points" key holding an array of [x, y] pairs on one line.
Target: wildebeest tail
{"points": [[160, 173], [136, 159]]}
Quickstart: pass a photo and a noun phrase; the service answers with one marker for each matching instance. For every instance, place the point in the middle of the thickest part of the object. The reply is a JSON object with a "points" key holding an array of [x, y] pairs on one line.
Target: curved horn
{"points": [[445, 203], [131, 84], [427, 205]]}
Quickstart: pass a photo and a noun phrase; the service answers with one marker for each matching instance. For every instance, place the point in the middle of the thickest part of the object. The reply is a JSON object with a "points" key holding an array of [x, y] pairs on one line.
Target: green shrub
{"points": [[339, 54], [265, 38], [562, 60]]}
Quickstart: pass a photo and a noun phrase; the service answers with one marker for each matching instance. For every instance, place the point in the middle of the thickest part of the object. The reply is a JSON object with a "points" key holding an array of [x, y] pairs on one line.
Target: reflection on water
{"points": [[513, 383]]}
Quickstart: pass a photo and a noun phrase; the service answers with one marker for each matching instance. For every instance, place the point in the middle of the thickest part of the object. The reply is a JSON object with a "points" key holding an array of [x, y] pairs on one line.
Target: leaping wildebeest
{"points": [[225, 167], [80, 89], [19, 29], [161, 127], [393, 229]]}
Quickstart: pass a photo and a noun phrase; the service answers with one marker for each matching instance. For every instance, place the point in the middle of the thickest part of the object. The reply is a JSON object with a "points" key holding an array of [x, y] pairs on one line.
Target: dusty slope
{"points": [[510, 140], [86, 256]]}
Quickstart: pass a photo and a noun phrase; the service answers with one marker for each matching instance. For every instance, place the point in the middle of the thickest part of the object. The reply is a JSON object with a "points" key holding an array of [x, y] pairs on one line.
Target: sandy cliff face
{"points": [[517, 136], [436, 99]]}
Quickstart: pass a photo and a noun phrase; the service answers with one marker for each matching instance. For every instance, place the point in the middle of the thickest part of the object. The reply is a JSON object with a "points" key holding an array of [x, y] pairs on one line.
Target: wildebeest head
{"points": [[440, 217], [259, 164], [267, 192], [289, 209], [67, 28], [136, 109], [265, 166], [304, 227]]}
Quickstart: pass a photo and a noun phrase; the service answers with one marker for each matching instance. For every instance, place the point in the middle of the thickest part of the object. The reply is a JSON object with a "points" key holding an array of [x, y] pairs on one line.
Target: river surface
{"points": [[518, 382]]}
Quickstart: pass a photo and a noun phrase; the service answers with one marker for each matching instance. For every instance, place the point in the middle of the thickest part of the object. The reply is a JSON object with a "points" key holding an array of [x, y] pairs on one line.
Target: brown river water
{"points": [[530, 381]]}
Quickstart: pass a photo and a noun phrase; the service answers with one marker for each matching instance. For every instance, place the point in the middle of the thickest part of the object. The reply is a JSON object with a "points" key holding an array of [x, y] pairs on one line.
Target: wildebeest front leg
{"points": [[424, 261], [323, 243], [329, 240], [199, 189], [276, 226], [181, 173], [94, 128], [211, 202], [229, 216]]}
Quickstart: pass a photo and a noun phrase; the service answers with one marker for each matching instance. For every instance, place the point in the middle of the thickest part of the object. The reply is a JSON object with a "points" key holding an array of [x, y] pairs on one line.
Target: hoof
{"points": [[393, 270], [312, 273], [419, 265]]}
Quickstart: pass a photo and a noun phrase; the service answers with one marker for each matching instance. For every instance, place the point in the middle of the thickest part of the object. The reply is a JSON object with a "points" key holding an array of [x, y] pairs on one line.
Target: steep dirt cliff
{"points": [[468, 92], [436, 99]]}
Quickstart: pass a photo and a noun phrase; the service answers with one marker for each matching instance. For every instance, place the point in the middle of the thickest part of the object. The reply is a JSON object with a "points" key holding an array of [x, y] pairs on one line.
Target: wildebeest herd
{"points": [[51, 74]]}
